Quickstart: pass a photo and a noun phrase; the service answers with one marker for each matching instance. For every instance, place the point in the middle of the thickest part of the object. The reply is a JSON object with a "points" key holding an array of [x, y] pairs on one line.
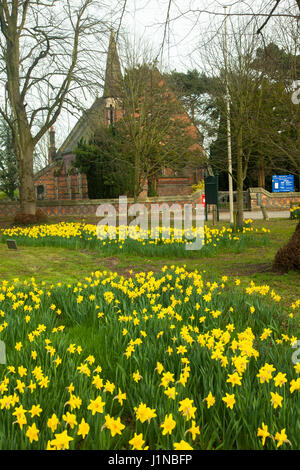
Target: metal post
{"points": [[228, 125]]}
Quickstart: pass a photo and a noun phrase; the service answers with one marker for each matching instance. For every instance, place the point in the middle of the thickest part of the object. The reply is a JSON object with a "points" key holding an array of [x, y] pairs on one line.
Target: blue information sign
{"points": [[282, 183]]}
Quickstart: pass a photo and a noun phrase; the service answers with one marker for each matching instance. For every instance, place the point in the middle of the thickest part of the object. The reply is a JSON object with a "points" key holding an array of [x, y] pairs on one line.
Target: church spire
{"points": [[113, 74]]}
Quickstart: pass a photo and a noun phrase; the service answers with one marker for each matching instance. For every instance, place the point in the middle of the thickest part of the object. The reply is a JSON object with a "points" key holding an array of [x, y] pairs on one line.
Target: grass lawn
{"points": [[64, 265]]}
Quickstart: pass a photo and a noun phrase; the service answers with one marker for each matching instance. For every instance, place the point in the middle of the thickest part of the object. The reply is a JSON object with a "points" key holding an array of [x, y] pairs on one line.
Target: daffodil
{"points": [[194, 430], [83, 429], [144, 413], [210, 400], [234, 379], [168, 425], [96, 406], [137, 441], [280, 379], [120, 397], [35, 410], [276, 400], [137, 376], [114, 425], [229, 400], [182, 445], [32, 433], [263, 433], [61, 441], [53, 422], [281, 437], [187, 409]]}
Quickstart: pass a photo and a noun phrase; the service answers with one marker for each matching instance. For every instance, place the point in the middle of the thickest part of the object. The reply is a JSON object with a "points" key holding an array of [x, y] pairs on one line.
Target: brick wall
{"points": [[57, 184], [171, 186], [85, 208], [271, 201]]}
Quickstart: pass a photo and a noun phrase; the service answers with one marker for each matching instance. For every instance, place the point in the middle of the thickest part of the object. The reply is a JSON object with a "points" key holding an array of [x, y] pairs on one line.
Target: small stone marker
{"points": [[11, 244]]}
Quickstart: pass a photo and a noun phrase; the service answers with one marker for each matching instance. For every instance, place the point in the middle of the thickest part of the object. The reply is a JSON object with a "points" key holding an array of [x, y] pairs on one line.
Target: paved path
{"points": [[284, 214]]}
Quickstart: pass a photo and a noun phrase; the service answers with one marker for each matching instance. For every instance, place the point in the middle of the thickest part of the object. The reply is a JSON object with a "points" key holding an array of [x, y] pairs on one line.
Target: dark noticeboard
{"points": [[211, 184]]}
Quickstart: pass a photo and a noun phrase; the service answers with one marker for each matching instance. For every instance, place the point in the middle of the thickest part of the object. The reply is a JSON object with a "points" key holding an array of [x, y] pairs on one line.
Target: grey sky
{"points": [[189, 22]]}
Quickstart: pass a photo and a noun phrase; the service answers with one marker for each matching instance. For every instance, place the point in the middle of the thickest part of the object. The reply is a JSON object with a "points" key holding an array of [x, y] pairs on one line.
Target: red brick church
{"points": [[60, 179]]}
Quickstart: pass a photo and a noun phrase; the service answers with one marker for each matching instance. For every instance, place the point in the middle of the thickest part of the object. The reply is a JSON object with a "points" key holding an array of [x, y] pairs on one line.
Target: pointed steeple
{"points": [[113, 74]]}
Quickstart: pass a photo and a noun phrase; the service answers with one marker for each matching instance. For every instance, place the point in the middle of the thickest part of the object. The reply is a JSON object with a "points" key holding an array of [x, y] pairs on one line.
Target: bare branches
{"points": [[165, 28], [268, 17], [43, 53], [23, 19], [49, 50], [121, 19]]}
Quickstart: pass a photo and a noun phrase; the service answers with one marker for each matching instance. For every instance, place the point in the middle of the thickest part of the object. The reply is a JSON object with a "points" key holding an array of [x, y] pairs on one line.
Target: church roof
{"points": [[84, 127], [88, 122]]}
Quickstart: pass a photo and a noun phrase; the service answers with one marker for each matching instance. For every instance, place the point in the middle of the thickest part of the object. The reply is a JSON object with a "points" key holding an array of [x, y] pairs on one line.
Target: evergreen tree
{"points": [[9, 180], [108, 175]]}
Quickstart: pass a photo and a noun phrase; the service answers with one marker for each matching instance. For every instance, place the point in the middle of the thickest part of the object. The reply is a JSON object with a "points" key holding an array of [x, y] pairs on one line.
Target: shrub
{"points": [[288, 257]]}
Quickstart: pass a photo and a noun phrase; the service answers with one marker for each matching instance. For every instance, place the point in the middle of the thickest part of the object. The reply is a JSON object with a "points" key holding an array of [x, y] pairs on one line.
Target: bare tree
{"points": [[279, 139], [48, 53], [159, 132], [245, 94]]}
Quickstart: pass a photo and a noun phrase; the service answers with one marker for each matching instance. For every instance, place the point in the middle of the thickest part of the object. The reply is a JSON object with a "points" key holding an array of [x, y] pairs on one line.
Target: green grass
{"points": [[47, 264]]}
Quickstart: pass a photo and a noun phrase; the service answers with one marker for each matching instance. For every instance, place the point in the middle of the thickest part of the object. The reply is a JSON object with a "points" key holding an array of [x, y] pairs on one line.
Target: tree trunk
{"points": [[240, 180], [27, 188], [152, 186], [261, 173], [23, 143], [137, 177]]}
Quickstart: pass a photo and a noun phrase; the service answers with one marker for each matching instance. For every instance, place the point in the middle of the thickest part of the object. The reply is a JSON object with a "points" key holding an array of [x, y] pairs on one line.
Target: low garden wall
{"points": [[88, 207]]}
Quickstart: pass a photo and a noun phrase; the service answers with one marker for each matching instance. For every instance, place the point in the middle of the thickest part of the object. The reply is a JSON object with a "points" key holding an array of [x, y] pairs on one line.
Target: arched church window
{"points": [[40, 191]]}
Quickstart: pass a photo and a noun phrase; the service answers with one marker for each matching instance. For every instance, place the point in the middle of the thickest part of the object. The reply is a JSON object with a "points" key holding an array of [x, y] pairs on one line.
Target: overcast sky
{"points": [[190, 21]]}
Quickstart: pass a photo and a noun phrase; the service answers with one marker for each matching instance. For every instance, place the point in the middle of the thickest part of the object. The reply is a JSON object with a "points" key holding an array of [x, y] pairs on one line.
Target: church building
{"points": [[60, 179]]}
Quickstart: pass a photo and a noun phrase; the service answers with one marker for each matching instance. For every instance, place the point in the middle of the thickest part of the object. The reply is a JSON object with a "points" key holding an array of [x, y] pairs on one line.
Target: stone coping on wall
{"points": [[273, 201], [159, 199], [274, 195], [68, 202]]}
